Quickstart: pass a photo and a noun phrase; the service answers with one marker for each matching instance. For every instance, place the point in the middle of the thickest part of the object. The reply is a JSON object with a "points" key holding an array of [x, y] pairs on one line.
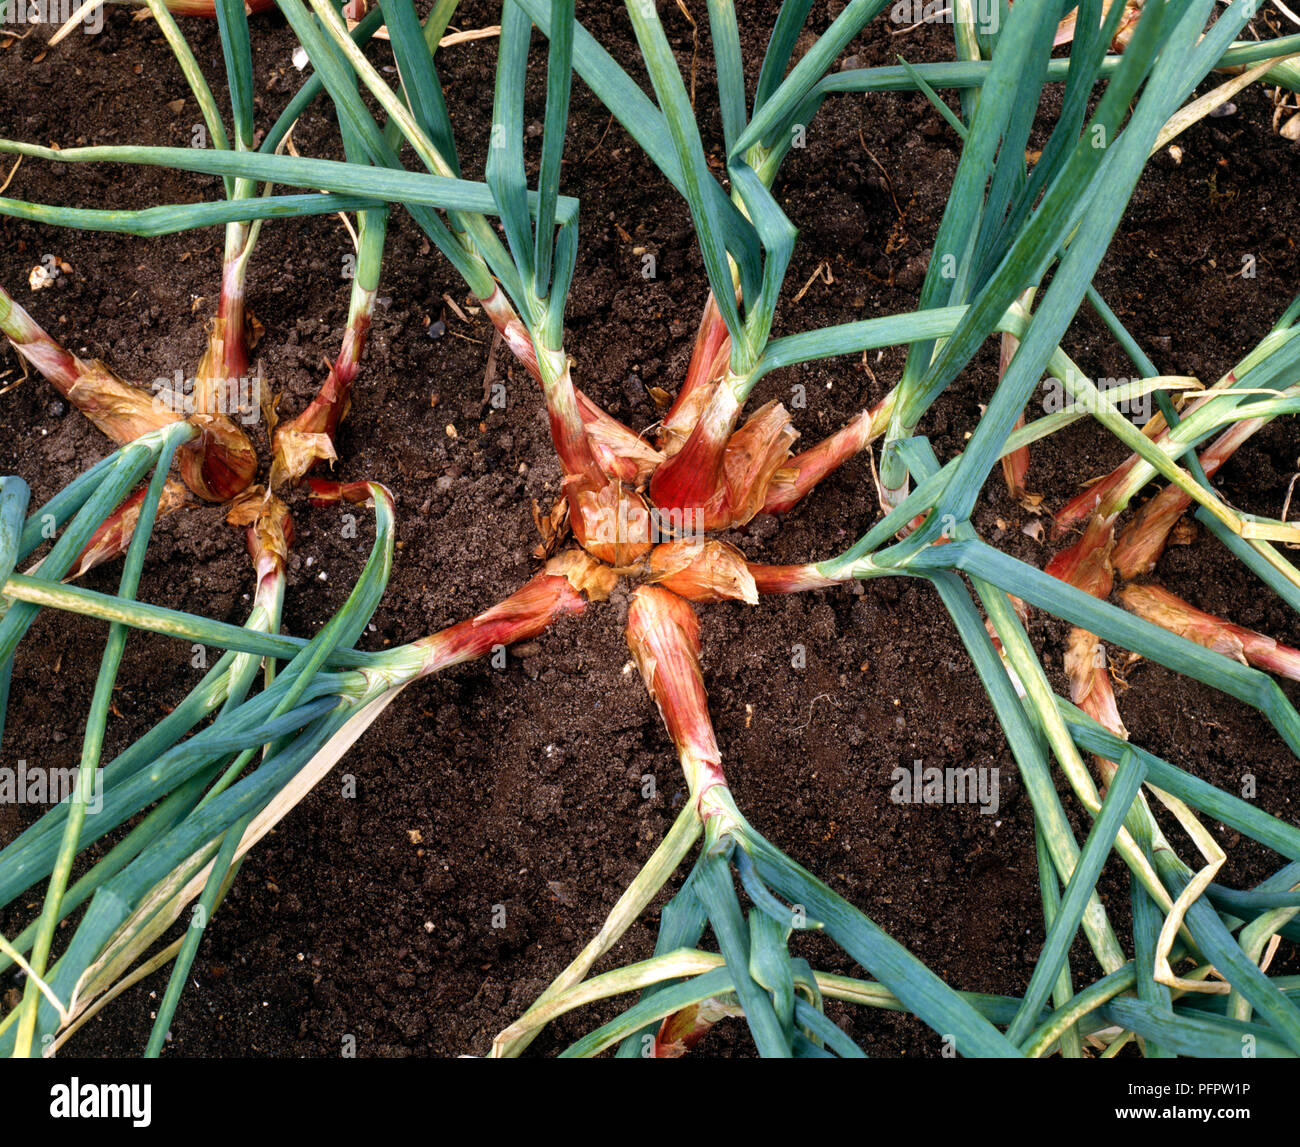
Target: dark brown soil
{"points": [[372, 917]]}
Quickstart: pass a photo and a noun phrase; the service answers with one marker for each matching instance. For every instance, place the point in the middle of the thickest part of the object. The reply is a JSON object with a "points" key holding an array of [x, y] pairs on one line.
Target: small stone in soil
{"points": [[437, 329]]}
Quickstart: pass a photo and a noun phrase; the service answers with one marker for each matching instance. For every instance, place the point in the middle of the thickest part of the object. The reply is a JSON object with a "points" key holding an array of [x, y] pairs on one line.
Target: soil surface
{"points": [[372, 917]]}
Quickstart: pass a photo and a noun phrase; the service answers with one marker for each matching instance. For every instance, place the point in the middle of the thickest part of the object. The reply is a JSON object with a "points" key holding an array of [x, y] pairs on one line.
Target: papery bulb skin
{"points": [[756, 457], [307, 440], [1086, 564], [114, 534], [790, 579], [703, 570], [1087, 670], [588, 576], [709, 359], [693, 480], [325, 492], [720, 479], [1143, 540], [1243, 645], [121, 410], [663, 633], [525, 614], [797, 478], [220, 462], [612, 523], [621, 454], [269, 534]]}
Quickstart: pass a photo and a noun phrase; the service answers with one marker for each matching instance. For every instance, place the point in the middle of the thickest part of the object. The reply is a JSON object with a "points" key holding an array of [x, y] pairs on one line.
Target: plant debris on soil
{"points": [[469, 845]]}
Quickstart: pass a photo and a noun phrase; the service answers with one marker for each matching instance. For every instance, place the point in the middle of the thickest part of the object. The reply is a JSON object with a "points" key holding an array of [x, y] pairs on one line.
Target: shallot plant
{"points": [[1014, 261]]}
